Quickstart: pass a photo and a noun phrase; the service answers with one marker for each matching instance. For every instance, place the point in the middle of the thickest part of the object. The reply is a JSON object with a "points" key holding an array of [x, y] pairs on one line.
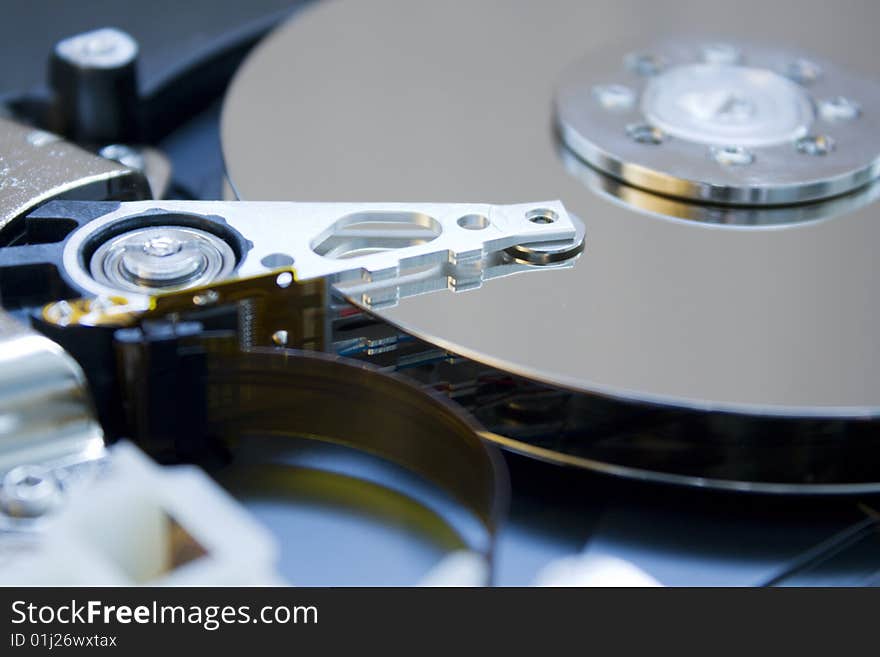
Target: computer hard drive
{"points": [[337, 254], [719, 328]]}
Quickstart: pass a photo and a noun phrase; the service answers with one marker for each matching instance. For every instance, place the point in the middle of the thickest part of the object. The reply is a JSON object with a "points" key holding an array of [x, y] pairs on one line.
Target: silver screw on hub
{"points": [[732, 155], [644, 133], [803, 71], [815, 145], [644, 64], [839, 108]]}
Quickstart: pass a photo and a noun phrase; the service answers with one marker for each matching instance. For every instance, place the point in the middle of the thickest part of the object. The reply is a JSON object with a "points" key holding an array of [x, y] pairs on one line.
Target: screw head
{"points": [[732, 155], [206, 298], [645, 133], [839, 108], [644, 64], [284, 279], [102, 303], [721, 54], [542, 216], [160, 258], [614, 96], [29, 491], [162, 246], [815, 145], [60, 312], [803, 71]]}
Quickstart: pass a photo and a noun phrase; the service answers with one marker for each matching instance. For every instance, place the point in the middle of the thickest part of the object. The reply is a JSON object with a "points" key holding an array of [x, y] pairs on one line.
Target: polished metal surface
{"points": [[102, 48], [36, 166], [161, 258], [46, 414], [729, 122], [379, 252], [778, 321], [731, 216]]}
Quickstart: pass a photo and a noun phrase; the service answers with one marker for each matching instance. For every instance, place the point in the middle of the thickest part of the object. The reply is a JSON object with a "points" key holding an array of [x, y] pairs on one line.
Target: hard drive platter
{"points": [[278, 279], [732, 329]]}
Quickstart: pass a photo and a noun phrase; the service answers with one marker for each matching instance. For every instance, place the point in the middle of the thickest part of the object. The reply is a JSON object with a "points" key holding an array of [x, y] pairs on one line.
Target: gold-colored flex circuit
{"points": [[251, 386]]}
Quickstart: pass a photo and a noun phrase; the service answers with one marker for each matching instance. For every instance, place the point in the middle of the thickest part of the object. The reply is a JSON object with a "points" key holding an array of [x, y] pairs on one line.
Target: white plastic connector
{"points": [[593, 570], [142, 524], [458, 569]]}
